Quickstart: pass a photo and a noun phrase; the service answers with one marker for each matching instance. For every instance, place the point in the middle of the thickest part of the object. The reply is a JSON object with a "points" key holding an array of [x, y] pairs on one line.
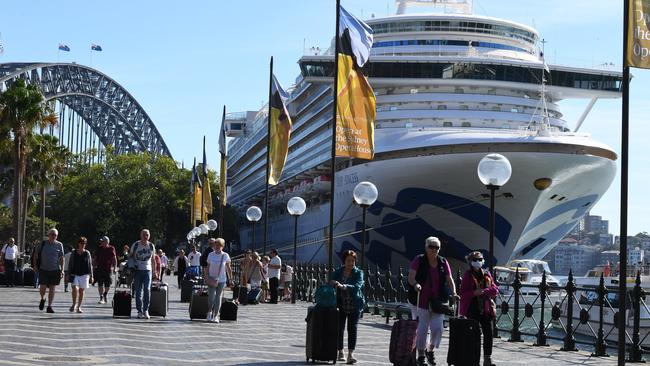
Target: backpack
{"points": [[325, 296], [422, 275]]}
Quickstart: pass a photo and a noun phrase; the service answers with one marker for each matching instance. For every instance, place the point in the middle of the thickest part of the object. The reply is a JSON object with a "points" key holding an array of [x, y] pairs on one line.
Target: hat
{"points": [[105, 238]]}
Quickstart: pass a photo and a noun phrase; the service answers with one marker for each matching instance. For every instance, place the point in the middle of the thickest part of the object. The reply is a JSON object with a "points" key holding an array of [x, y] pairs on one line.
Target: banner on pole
{"points": [[638, 35]]}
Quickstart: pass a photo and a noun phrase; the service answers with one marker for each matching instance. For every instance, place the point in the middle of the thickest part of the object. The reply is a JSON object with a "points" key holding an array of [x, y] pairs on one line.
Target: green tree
{"points": [[22, 109]]}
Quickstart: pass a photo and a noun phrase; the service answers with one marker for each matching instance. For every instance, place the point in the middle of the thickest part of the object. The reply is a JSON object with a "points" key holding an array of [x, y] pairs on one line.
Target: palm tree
{"points": [[47, 165], [22, 108]]}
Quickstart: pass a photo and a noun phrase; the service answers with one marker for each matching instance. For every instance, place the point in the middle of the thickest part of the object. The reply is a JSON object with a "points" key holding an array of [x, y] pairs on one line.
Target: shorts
{"points": [[81, 281], [49, 278], [103, 277]]}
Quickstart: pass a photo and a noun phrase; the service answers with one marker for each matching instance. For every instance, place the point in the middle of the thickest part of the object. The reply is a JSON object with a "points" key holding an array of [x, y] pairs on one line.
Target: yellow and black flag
{"points": [[356, 103], [196, 188], [280, 131], [206, 194], [224, 156], [637, 53]]}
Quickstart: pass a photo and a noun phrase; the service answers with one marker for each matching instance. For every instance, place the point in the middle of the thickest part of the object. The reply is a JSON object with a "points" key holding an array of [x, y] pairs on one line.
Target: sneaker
{"points": [[422, 361], [146, 315], [351, 360], [41, 305], [50, 310], [210, 317], [71, 308], [79, 310], [101, 301], [341, 357], [215, 319], [431, 359], [139, 315]]}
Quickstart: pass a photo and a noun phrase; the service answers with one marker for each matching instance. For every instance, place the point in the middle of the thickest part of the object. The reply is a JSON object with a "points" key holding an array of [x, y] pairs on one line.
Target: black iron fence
{"points": [[574, 315]]}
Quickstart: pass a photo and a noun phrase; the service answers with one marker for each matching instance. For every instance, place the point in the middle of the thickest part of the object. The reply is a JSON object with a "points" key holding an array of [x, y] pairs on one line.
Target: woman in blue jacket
{"points": [[348, 280]]}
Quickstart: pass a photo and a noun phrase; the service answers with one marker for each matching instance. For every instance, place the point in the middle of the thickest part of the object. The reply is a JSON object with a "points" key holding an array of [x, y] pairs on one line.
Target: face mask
{"points": [[475, 264]]}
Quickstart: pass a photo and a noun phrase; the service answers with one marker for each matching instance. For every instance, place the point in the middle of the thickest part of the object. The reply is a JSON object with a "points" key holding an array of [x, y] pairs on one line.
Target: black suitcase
{"points": [[464, 342], [187, 286], [199, 305], [122, 303], [322, 334], [253, 296], [28, 277], [18, 277], [159, 301], [228, 310]]}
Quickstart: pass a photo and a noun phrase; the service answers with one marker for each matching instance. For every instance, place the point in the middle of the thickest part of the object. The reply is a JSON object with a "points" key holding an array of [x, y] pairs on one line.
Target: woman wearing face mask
{"points": [[477, 294]]}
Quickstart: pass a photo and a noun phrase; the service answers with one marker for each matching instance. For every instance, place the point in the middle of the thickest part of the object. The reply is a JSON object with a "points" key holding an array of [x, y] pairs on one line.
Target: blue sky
{"points": [[184, 60]]}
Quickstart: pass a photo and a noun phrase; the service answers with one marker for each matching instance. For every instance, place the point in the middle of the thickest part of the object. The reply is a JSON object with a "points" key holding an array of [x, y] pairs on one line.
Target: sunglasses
{"points": [[477, 260], [433, 247]]}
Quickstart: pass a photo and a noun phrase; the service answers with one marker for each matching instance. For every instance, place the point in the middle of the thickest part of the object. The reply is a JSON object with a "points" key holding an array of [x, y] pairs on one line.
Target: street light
{"points": [[296, 207], [494, 171], [365, 194], [253, 214], [212, 225]]}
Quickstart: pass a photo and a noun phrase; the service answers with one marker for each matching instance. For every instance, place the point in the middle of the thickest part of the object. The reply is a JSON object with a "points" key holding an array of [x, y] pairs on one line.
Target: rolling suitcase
{"points": [[254, 296], [18, 277], [199, 304], [464, 342], [228, 310], [122, 303], [322, 334], [402, 343], [159, 302], [187, 286], [28, 277]]}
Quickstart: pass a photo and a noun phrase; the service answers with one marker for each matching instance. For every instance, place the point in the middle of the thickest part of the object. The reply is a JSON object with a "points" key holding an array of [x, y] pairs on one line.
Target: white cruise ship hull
{"points": [[434, 190]]}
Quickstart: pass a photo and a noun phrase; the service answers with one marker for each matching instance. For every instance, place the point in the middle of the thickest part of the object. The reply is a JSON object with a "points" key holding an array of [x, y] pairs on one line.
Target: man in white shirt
{"points": [[194, 261], [274, 275], [9, 255], [143, 251]]}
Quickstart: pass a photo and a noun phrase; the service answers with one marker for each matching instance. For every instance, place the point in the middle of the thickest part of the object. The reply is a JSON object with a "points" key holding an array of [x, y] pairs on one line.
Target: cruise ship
{"points": [[451, 87]]}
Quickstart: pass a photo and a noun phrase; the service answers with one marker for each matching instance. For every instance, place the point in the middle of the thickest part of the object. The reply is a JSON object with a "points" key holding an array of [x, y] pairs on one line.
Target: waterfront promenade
{"points": [[265, 334]]}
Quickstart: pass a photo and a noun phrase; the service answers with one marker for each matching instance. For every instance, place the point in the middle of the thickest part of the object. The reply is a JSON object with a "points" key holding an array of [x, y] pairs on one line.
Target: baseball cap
{"points": [[105, 238]]}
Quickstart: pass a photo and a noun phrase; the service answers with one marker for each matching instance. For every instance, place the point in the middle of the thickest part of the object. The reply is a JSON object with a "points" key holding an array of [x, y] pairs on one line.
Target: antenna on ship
{"points": [[544, 127]]}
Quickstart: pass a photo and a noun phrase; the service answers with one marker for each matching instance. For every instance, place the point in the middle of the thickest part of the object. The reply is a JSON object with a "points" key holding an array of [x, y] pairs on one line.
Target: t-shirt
{"points": [[217, 262], [105, 257], [10, 252], [275, 272], [194, 259], [287, 274], [80, 264], [431, 286], [164, 261], [50, 255], [142, 255]]}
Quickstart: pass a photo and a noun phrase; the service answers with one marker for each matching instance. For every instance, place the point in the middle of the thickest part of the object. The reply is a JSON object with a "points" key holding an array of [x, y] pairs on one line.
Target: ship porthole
{"points": [[542, 183]]}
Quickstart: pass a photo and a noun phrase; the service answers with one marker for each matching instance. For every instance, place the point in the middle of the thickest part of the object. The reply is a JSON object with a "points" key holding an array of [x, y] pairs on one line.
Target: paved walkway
{"points": [[264, 335]]}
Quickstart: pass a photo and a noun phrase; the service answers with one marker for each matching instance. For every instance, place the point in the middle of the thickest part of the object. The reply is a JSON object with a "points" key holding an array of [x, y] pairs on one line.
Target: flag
{"points": [[64, 47], [196, 188], [637, 53], [356, 103], [280, 129], [95, 47], [224, 155], [207, 196]]}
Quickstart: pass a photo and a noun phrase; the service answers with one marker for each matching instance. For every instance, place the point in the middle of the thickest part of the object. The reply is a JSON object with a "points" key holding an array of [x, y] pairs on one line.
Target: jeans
{"points": [[274, 282], [214, 297], [142, 281], [353, 322], [428, 321], [10, 268]]}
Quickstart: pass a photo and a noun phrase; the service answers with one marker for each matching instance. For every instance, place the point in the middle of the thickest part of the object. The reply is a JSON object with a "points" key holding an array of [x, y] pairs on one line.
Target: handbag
{"points": [[439, 307]]}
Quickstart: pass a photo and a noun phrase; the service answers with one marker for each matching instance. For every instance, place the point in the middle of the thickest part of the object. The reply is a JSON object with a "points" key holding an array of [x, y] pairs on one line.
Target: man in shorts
{"points": [[50, 265], [105, 264]]}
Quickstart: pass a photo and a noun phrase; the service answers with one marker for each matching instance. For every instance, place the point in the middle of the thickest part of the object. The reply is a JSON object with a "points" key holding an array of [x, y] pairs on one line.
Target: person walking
{"points": [[9, 254], [164, 263], [477, 294], [274, 275], [218, 273], [430, 275], [143, 251], [106, 265], [81, 268], [348, 280], [50, 264], [194, 261], [180, 265]]}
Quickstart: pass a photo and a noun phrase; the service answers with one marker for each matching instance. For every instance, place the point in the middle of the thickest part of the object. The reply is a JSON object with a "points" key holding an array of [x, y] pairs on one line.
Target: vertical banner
{"points": [[638, 35], [356, 103], [224, 156], [280, 129]]}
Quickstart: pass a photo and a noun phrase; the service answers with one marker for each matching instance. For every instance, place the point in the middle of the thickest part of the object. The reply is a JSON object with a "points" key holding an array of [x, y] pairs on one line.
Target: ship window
{"points": [[392, 108], [442, 106], [378, 109], [505, 126], [496, 109], [464, 107], [408, 124], [466, 124], [447, 124]]}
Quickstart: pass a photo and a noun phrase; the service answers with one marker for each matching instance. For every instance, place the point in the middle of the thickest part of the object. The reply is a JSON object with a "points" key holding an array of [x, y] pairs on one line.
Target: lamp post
{"points": [[253, 214], [296, 207], [365, 194], [494, 171]]}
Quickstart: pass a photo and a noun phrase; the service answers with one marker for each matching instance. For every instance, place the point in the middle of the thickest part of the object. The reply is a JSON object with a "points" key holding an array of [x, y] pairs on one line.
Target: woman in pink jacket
{"points": [[477, 294]]}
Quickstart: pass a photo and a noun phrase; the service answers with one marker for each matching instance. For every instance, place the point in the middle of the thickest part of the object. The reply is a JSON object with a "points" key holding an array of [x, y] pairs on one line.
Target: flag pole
{"points": [[222, 186], [268, 160], [202, 173], [330, 246], [625, 130]]}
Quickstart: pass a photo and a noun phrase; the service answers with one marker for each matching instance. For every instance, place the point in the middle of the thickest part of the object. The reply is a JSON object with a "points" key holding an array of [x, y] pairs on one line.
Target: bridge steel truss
{"points": [[111, 112]]}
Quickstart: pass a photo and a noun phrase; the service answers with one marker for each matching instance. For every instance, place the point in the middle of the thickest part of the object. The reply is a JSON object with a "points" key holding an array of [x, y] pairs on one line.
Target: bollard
{"points": [[601, 345], [541, 334], [515, 333], [636, 353], [569, 339]]}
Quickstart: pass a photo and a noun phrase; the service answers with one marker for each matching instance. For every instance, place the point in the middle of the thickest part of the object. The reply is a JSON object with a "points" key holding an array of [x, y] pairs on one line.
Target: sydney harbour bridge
{"points": [[94, 110]]}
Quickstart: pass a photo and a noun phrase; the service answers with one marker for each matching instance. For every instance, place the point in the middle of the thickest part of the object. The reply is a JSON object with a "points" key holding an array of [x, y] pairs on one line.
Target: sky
{"points": [[183, 61]]}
